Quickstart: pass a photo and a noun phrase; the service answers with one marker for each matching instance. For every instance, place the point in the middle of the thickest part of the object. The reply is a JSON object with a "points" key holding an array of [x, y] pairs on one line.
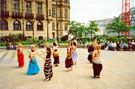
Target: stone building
{"points": [[43, 19]]}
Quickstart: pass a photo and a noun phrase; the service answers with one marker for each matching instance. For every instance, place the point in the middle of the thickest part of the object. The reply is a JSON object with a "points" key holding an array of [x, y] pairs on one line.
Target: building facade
{"points": [[43, 19], [102, 25]]}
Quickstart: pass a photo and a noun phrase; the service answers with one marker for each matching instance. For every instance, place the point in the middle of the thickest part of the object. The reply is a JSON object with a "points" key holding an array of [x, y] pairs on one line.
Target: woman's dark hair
{"points": [[54, 43], [74, 43], [48, 49], [33, 49]]}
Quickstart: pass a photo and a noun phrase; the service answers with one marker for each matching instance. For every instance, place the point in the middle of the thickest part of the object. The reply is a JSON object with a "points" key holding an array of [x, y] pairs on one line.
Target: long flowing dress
{"points": [[97, 66], [33, 67], [20, 58], [74, 56], [48, 67], [68, 61]]}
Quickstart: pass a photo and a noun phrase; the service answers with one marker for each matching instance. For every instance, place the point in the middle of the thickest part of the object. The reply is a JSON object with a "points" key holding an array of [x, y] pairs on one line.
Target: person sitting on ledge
{"points": [[133, 45], [118, 46], [124, 46]]}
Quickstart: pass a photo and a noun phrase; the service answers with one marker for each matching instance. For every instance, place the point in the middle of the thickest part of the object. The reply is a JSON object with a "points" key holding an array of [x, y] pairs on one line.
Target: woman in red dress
{"points": [[20, 55]]}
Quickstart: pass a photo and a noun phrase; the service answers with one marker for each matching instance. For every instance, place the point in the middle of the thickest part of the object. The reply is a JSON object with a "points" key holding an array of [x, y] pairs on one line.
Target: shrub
{"points": [[51, 40], [64, 38], [62, 41], [3, 44]]}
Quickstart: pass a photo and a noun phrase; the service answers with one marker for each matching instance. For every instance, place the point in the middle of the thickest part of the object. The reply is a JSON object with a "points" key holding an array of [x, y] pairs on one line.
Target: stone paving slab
{"points": [[118, 71]]}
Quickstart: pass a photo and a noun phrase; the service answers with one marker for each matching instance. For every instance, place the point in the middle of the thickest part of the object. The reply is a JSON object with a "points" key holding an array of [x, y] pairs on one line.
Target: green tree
{"points": [[117, 26], [73, 28], [77, 29], [92, 28]]}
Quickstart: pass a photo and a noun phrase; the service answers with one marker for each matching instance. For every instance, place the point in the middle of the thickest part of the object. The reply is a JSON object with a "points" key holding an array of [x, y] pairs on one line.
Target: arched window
{"points": [[40, 38], [3, 25], [17, 25], [29, 25], [39, 26]]}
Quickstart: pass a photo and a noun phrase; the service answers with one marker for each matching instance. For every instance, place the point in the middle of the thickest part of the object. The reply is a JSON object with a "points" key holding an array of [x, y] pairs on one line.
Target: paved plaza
{"points": [[118, 71]]}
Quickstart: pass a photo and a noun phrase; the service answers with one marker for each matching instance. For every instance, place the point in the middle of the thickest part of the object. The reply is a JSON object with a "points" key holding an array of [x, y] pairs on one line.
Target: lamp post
{"points": [[47, 16], [23, 20], [33, 30], [56, 23]]}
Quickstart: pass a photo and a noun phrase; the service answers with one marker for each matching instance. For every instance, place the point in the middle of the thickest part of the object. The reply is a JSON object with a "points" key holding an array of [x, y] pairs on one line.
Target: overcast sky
{"points": [[85, 10]]}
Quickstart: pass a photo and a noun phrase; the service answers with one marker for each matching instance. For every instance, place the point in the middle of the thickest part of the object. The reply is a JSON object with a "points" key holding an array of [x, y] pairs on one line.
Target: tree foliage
{"points": [[92, 28], [77, 29], [117, 26]]}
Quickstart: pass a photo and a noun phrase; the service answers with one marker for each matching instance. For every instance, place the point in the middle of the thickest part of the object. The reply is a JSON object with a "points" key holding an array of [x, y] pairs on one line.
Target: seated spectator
{"points": [[103, 45], [7, 46], [118, 46], [133, 45], [39, 44], [10, 46], [124, 46], [14, 46], [42, 45], [32, 45], [129, 45], [114, 46], [110, 46]]}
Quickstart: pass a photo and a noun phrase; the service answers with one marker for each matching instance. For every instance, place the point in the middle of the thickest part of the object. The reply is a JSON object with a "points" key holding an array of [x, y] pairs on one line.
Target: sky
{"points": [[86, 10]]}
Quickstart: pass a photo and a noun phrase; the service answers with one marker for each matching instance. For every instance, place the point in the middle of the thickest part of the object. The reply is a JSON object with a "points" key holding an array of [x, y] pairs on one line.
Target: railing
{"points": [[29, 16], [17, 15], [4, 14], [40, 17]]}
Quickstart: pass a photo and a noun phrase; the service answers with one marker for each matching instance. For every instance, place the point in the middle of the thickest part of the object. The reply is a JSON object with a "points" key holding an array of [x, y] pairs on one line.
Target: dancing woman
{"points": [[20, 56], [33, 66], [47, 65], [74, 53], [68, 61], [97, 63], [55, 54], [90, 50]]}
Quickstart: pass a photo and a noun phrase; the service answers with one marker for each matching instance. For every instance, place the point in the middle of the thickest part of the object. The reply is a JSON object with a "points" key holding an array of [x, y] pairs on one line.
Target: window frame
{"points": [[15, 25], [53, 26], [6, 24], [29, 26], [39, 27], [53, 12]]}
